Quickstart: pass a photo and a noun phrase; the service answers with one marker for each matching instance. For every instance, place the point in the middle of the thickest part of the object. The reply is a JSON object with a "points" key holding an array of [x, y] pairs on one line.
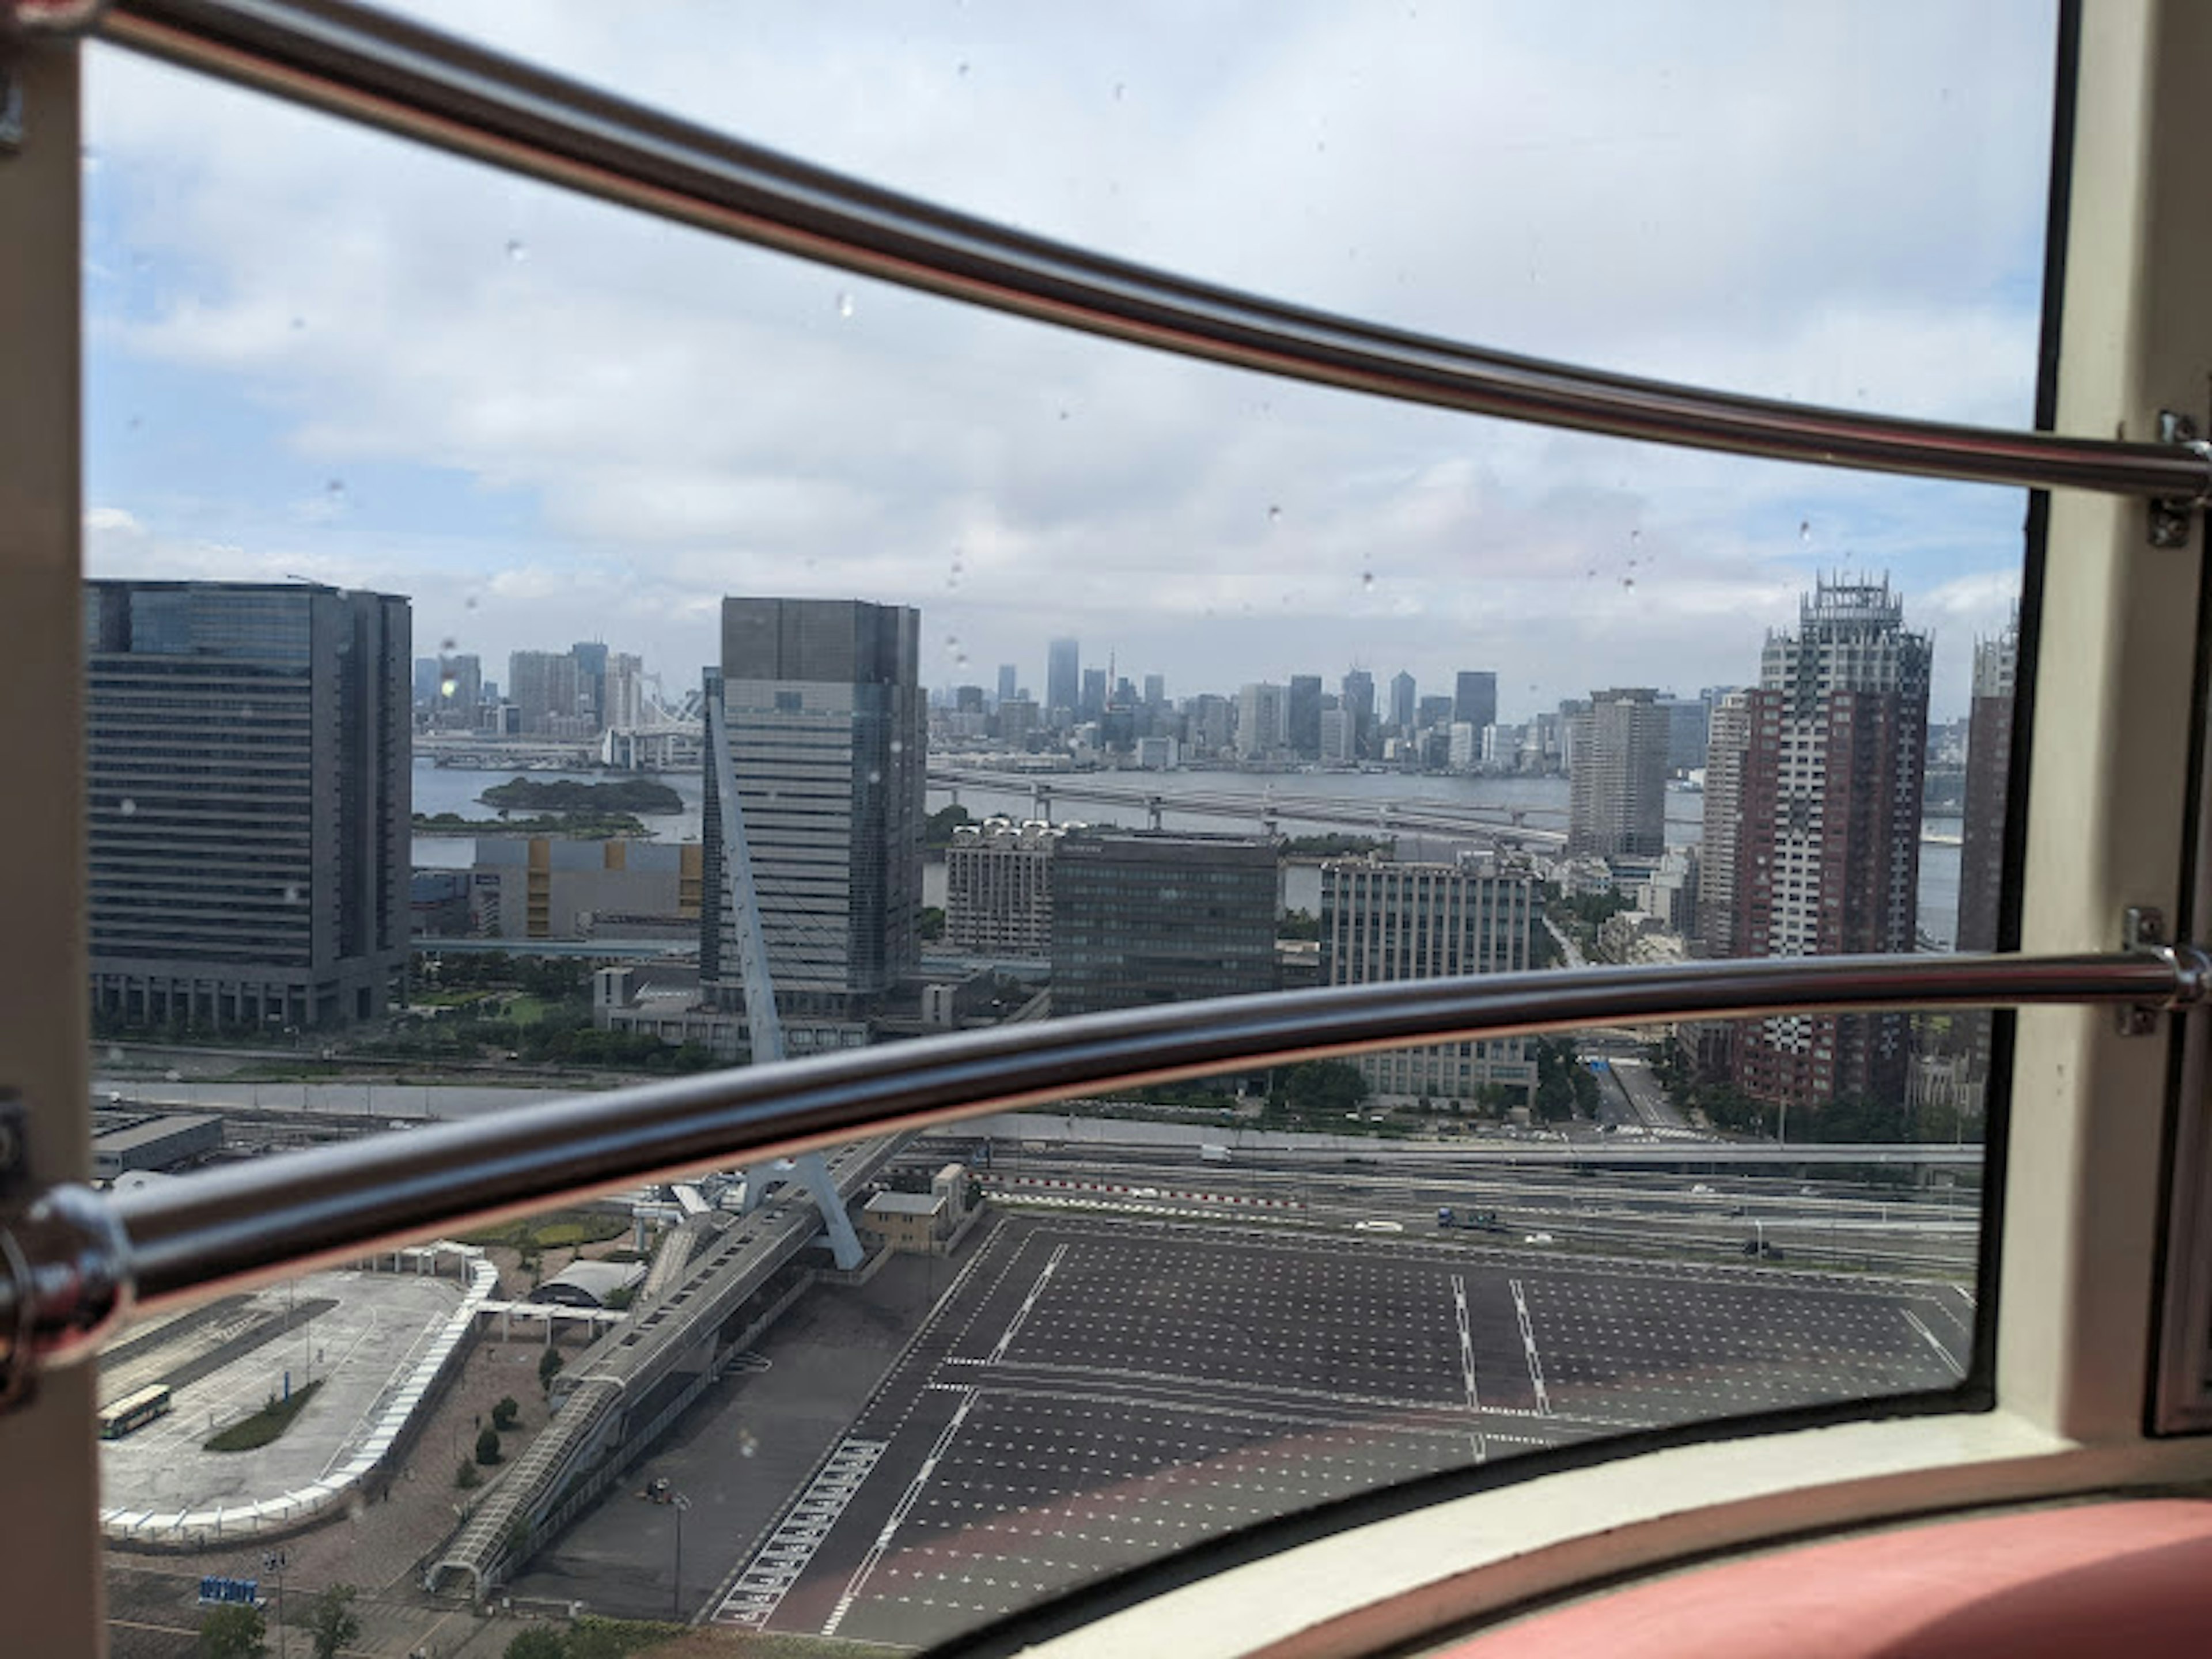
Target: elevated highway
{"points": [[1415, 816]]}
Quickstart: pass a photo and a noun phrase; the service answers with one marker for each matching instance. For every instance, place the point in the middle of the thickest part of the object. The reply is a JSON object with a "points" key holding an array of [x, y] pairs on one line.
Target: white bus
{"points": [[134, 1411]]}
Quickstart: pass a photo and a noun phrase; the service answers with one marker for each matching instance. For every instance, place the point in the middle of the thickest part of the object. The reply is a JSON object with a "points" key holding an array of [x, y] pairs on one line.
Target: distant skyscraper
{"points": [[1981, 854], [1302, 716], [622, 691], [1009, 681], [1432, 712], [1728, 743], [1617, 801], [1384, 920], [1092, 702], [1063, 681], [545, 687], [1474, 697], [427, 676], [1402, 702], [1828, 862], [827, 729], [1687, 720], [591, 679], [460, 692], [249, 811], [1262, 731], [1155, 691], [1359, 694]]}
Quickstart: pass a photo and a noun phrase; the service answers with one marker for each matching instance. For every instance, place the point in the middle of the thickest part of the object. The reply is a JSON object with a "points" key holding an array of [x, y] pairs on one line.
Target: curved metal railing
{"points": [[421, 84], [78, 1262]]}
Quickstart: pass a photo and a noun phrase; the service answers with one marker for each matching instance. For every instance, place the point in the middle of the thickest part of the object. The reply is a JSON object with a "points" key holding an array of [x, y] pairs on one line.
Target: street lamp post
{"points": [[273, 1561], [676, 1590]]}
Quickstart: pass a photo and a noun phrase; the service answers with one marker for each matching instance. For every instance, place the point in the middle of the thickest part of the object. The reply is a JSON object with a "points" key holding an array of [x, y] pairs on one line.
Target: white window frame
{"points": [[2107, 816]]}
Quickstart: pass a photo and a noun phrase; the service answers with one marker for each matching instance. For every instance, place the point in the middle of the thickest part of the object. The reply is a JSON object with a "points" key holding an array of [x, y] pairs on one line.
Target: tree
{"points": [[549, 1362], [467, 1477], [933, 923], [538, 1644], [504, 1413], [488, 1451], [331, 1622], [234, 1630], [1321, 1086]]}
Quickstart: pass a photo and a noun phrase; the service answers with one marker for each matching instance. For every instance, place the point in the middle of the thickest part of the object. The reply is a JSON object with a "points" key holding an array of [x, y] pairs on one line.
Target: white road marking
{"points": [[1028, 1303], [1467, 1365], [877, 1549], [1934, 1341], [777, 1564], [1528, 1344]]}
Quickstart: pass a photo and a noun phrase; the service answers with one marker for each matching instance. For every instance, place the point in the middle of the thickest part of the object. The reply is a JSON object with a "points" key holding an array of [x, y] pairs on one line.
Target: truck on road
{"points": [[1480, 1221], [1213, 1152]]}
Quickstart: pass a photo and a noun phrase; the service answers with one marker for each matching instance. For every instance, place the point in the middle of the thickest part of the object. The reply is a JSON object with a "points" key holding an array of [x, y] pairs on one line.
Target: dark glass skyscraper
{"points": [[1139, 918], [828, 733], [250, 794], [1474, 698]]}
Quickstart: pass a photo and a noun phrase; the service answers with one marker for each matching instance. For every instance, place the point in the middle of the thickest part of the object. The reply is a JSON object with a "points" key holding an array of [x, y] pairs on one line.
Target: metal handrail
{"points": [[415, 82], [78, 1262]]}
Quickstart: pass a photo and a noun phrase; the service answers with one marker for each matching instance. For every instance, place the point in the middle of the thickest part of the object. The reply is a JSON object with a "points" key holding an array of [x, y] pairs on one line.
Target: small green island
{"points": [[587, 800]]}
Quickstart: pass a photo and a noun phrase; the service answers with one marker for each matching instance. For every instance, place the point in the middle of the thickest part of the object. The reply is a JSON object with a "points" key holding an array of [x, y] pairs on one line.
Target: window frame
{"points": [[2112, 819]]}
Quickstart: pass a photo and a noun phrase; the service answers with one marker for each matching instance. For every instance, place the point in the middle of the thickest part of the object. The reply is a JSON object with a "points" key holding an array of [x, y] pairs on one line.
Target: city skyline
{"points": [[517, 406]]}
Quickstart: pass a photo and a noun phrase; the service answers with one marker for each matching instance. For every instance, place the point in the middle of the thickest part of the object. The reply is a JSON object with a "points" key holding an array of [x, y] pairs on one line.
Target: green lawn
{"points": [[250, 1433]]}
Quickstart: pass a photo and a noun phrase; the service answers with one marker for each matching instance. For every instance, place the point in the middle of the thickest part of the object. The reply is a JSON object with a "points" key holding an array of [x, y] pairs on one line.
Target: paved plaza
{"points": [[1088, 1395], [358, 1334]]}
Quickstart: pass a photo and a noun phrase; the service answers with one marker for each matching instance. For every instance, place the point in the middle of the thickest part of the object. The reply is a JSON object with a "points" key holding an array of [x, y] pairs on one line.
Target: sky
{"points": [[314, 351]]}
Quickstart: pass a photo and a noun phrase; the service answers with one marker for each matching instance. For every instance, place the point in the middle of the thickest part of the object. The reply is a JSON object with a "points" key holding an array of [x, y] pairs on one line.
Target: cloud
{"points": [[590, 424]]}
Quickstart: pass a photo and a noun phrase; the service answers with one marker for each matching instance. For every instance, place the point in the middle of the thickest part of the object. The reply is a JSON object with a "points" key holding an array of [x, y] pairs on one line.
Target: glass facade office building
{"points": [[248, 747], [1143, 918]]}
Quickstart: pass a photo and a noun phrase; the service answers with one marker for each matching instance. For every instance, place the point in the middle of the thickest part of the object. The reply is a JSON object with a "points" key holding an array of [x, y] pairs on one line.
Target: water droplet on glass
{"points": [[299, 323], [448, 645], [291, 892], [128, 806], [964, 67], [516, 251], [447, 686], [470, 603], [844, 305], [1634, 537], [136, 423], [1063, 414], [1804, 530], [1119, 88], [898, 745], [334, 487], [1274, 515], [1628, 581], [1367, 579], [115, 1053], [874, 776]]}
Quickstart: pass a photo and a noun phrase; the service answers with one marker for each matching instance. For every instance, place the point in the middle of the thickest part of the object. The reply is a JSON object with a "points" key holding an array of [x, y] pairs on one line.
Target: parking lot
{"points": [[1090, 1393]]}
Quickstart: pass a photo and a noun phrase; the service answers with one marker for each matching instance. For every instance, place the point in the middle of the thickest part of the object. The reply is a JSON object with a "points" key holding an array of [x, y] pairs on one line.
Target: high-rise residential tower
{"points": [[1474, 698], [547, 689], [1728, 742], [1063, 682], [1262, 728], [1617, 801], [827, 727], [1828, 859], [249, 758], [1981, 853]]}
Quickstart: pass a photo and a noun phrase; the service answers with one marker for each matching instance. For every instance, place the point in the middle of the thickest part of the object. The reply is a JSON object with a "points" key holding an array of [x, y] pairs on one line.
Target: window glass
{"points": [[514, 623]]}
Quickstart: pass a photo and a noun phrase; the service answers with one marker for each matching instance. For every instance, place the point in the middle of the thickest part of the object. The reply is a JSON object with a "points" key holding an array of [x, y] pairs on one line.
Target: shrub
{"points": [[488, 1452], [504, 1413], [466, 1476]]}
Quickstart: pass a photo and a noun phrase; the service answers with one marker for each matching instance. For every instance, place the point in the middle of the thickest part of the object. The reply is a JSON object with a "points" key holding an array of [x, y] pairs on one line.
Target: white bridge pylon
{"points": [[762, 1019]]}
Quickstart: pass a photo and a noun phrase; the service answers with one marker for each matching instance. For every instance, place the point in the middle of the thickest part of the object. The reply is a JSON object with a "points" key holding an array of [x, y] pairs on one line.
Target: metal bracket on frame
{"points": [[2173, 517], [2142, 928]]}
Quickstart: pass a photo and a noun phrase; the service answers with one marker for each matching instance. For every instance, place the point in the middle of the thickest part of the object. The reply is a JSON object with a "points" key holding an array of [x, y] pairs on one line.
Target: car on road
{"points": [[1539, 1238], [1379, 1226], [1144, 1192]]}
